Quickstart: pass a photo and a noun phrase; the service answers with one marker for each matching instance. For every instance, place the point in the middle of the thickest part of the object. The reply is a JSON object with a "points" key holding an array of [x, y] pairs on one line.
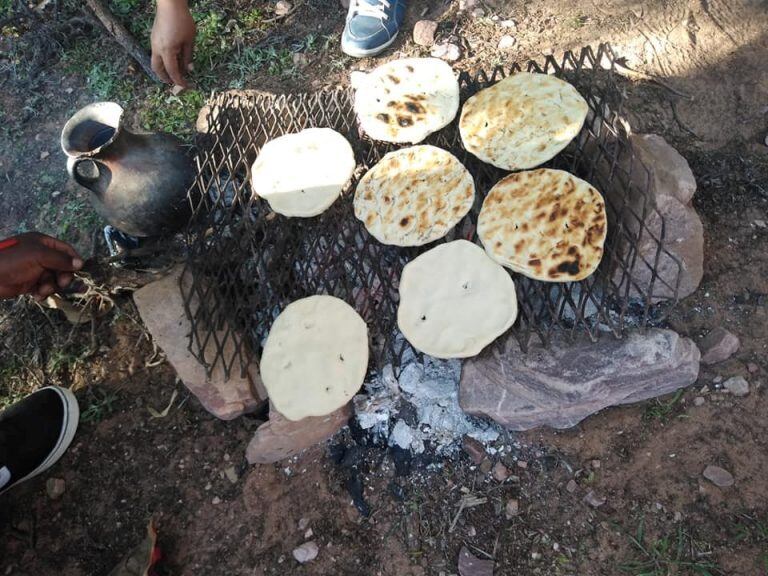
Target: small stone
{"points": [[69, 90], [760, 223], [511, 24], [478, 12], [303, 523], [699, 401], [507, 42], [44, 154], [300, 60], [522, 464], [447, 51], [485, 466], [717, 379], [308, 534], [718, 345], [737, 386], [283, 7], [424, 32], [718, 476], [595, 464], [176, 89], [470, 565], [208, 486], [535, 555], [216, 500], [753, 368], [55, 488], [306, 552], [500, 472], [474, 449], [512, 508], [593, 499], [471, 532], [678, 517], [572, 486], [55, 193], [231, 474]]}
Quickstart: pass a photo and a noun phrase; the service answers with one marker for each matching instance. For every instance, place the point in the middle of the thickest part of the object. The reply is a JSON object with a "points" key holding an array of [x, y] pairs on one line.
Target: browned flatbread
{"points": [[546, 224], [414, 196]]}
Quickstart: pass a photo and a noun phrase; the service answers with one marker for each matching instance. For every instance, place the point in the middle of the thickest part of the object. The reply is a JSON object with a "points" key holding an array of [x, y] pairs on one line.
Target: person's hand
{"points": [[172, 39], [36, 264]]}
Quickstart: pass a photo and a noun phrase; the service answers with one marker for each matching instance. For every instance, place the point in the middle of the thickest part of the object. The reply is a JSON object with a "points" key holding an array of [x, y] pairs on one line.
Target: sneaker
{"points": [[372, 25], [34, 433]]}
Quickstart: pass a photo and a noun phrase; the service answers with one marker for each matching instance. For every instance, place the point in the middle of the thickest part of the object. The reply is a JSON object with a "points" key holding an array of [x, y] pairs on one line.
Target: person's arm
{"points": [[172, 39], [36, 264]]}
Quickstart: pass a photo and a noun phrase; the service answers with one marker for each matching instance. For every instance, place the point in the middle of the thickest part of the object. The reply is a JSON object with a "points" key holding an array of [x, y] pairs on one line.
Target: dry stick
{"points": [[122, 36]]}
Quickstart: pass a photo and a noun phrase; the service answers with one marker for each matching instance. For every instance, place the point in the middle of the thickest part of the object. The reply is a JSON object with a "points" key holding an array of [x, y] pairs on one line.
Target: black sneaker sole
{"points": [[69, 423]]}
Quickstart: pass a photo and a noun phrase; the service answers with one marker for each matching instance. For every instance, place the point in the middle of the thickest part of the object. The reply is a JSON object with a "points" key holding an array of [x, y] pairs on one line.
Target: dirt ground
{"points": [[698, 77]]}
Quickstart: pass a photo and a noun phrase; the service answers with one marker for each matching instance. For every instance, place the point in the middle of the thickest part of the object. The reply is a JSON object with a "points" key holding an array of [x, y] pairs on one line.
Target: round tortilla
{"points": [[302, 174], [546, 224], [315, 357], [414, 196], [404, 101], [455, 300], [522, 121]]}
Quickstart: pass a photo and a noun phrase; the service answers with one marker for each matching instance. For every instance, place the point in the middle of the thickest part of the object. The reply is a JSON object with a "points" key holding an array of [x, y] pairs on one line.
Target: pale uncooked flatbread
{"points": [[546, 224], [455, 300], [522, 121], [414, 196], [302, 174], [406, 100], [315, 357]]}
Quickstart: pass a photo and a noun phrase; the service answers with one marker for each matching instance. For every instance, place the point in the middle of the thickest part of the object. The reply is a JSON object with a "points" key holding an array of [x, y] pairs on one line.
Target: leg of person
{"points": [[372, 25], [34, 433]]}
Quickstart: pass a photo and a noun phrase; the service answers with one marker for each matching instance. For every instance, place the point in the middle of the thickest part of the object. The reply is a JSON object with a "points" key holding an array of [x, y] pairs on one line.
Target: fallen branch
{"points": [[122, 36]]}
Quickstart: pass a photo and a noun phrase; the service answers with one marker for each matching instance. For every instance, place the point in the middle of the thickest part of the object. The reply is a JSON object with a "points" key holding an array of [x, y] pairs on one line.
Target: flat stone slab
{"points": [[280, 438], [161, 308], [562, 385]]}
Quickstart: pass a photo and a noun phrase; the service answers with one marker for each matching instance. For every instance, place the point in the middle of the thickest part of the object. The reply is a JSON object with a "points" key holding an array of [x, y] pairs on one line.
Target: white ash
{"points": [[428, 391]]}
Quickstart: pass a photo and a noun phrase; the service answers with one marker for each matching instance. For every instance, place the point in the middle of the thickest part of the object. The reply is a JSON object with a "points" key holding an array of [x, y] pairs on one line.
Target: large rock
{"points": [[280, 438], [718, 345], [161, 308], [683, 241], [670, 173], [561, 385]]}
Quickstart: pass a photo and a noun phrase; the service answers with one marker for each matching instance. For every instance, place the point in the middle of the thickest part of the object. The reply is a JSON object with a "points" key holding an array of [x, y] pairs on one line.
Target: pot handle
{"points": [[84, 171]]}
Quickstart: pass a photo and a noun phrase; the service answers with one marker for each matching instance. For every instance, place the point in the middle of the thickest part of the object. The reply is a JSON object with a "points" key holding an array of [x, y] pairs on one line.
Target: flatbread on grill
{"points": [[522, 121], [546, 224], [302, 174], [414, 196], [455, 300], [406, 100], [315, 357]]}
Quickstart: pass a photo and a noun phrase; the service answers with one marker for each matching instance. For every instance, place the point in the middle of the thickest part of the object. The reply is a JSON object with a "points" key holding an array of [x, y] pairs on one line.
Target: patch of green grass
{"points": [[6, 7], [104, 81], [658, 410], [249, 61], [123, 8], [675, 554], [253, 19], [67, 220], [167, 113], [100, 403], [13, 383], [577, 22]]}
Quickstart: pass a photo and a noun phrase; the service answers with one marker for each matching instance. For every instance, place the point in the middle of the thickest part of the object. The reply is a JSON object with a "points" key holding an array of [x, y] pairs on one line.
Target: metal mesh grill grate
{"points": [[246, 263]]}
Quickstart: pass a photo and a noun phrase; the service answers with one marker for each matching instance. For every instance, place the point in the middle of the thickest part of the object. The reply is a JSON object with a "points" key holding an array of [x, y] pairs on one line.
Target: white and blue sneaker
{"points": [[34, 433], [372, 25]]}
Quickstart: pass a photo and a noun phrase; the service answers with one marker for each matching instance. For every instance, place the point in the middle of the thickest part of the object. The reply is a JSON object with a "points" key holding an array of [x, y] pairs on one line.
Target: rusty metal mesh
{"points": [[246, 263]]}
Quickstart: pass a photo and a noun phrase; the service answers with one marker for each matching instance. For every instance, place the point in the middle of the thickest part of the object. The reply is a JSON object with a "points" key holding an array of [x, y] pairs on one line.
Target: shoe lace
{"points": [[375, 9]]}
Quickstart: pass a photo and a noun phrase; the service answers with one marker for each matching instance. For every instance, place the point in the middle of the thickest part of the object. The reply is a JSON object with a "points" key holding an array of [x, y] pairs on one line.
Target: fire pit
{"points": [[246, 263]]}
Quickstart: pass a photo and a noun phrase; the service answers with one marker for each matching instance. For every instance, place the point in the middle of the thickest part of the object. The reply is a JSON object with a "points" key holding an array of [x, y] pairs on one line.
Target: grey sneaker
{"points": [[372, 25]]}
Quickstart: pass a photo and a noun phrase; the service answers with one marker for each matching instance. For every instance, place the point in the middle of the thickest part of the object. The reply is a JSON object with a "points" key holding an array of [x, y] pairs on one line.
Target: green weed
{"points": [[658, 410], [67, 220], [6, 7], [100, 404], [253, 19], [123, 8], [249, 61], [673, 554], [104, 81], [577, 22], [174, 114]]}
